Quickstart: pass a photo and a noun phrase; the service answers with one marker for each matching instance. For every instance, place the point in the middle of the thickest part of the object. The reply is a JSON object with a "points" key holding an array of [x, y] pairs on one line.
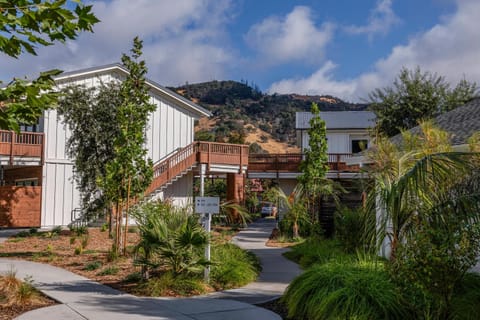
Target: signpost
{"points": [[207, 206]]}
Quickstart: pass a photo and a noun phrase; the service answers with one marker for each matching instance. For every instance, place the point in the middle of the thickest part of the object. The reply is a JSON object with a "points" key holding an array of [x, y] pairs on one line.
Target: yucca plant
{"points": [[171, 238]]}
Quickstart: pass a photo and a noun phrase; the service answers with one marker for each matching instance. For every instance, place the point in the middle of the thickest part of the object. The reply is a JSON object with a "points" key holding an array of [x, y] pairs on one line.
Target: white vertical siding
{"points": [[338, 142], [169, 127], [59, 194]]}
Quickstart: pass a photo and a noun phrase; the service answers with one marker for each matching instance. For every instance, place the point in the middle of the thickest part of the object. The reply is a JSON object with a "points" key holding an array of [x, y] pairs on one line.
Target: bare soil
{"points": [[60, 251]]}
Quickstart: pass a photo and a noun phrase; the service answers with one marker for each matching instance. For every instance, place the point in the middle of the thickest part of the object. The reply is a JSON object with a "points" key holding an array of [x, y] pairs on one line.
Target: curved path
{"points": [[277, 271], [81, 298]]}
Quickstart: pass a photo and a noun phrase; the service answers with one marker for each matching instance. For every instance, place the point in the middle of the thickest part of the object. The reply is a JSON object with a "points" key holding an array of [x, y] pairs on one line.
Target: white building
{"points": [[36, 169], [347, 131]]}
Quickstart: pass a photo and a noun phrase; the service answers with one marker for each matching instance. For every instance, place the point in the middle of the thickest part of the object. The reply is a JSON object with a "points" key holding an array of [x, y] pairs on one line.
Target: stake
{"points": [[206, 272]]}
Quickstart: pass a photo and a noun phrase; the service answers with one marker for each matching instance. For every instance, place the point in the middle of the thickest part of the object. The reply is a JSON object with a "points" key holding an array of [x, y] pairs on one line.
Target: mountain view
{"points": [[243, 114]]}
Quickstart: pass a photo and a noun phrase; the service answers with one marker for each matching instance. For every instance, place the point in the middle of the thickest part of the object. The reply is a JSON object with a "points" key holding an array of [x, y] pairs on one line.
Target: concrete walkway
{"points": [[277, 271], [82, 299]]}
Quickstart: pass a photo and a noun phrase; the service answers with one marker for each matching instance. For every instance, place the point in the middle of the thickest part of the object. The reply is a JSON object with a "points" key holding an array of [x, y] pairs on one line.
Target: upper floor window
{"points": [[359, 145]]}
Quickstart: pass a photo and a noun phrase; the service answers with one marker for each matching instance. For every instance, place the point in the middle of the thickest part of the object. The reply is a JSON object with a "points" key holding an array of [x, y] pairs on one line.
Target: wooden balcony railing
{"points": [[175, 164], [222, 153], [290, 162], [24, 144], [197, 152]]}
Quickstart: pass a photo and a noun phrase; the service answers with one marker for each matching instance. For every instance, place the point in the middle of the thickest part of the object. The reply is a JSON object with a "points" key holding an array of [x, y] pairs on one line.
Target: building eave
{"points": [[197, 110]]}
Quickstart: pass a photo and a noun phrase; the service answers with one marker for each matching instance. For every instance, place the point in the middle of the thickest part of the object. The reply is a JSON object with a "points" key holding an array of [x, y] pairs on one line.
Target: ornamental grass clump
{"points": [[15, 292], [232, 266], [344, 291]]}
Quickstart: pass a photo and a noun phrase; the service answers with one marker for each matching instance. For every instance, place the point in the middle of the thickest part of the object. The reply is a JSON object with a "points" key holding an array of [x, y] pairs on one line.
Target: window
{"points": [[359, 145], [26, 182]]}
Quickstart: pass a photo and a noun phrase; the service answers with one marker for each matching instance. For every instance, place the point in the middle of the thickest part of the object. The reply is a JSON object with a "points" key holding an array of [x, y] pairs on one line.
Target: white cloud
{"points": [[320, 81], [381, 19], [183, 40], [450, 48], [294, 37]]}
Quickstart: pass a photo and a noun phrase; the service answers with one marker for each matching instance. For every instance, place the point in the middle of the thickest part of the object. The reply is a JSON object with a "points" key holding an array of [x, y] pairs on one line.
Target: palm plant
{"points": [[171, 238], [295, 205], [234, 213], [429, 200], [412, 179]]}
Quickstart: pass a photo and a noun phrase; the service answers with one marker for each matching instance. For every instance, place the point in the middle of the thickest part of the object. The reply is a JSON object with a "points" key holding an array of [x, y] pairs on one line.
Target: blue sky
{"points": [[344, 48]]}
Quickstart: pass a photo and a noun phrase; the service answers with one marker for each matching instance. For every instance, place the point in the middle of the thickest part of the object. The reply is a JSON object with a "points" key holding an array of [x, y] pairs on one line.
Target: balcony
{"points": [[25, 148], [289, 163]]}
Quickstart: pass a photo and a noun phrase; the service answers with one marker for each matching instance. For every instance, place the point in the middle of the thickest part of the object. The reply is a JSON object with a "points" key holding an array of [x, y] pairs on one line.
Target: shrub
{"points": [[16, 292], [23, 234], [109, 271], [317, 250], [79, 230], [93, 266], [433, 262], [350, 228], [344, 291], [78, 250], [85, 239], [112, 254], [466, 298], [168, 283], [232, 266], [133, 277], [171, 238], [104, 227], [57, 230]]}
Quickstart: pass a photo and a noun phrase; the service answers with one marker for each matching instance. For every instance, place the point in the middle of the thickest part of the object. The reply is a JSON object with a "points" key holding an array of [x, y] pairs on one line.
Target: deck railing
{"points": [[24, 144], [222, 153], [236, 155], [197, 152], [290, 162]]}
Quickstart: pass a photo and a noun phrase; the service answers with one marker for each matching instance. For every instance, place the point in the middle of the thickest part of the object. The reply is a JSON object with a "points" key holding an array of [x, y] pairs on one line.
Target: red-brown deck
{"points": [[24, 144]]}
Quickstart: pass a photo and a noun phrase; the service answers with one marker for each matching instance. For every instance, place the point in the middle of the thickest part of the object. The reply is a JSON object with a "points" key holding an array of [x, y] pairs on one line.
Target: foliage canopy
{"points": [[25, 24], [415, 96]]}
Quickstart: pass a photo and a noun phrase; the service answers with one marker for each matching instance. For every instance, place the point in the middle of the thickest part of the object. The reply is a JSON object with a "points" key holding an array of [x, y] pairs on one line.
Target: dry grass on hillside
{"points": [[253, 135]]}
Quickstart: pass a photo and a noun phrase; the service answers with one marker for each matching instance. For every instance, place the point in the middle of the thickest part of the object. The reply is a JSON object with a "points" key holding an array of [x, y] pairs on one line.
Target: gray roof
{"points": [[338, 119], [461, 123], [154, 85]]}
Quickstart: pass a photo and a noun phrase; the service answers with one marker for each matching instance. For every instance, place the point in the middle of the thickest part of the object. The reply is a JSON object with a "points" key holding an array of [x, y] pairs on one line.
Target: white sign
{"points": [[207, 205]]}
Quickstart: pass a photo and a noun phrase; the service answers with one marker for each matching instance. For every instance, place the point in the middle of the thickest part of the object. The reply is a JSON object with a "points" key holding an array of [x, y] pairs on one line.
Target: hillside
{"points": [[243, 114]]}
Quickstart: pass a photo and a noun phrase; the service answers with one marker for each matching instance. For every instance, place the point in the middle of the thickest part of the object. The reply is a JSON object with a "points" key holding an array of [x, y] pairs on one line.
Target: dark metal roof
{"points": [[461, 123]]}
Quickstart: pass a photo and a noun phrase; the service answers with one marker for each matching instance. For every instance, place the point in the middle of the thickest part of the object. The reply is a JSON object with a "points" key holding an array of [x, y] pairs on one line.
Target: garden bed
{"points": [[94, 260]]}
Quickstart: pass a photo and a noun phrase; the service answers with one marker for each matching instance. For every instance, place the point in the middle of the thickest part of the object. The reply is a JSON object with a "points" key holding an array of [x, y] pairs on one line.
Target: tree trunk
{"points": [[295, 230], [126, 217]]}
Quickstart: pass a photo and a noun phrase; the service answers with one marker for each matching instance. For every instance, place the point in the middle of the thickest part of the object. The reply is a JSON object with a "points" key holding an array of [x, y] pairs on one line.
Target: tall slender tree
{"points": [[130, 172], [314, 166]]}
